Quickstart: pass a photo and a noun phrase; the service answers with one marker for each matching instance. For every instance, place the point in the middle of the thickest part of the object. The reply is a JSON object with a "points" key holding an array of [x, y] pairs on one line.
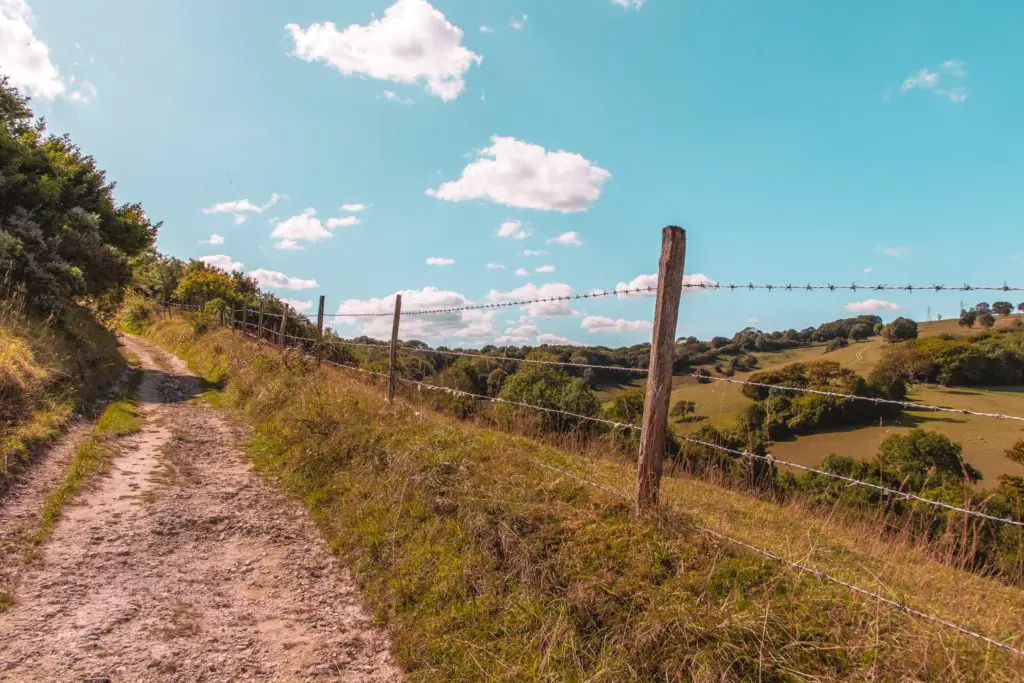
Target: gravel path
{"points": [[182, 564]]}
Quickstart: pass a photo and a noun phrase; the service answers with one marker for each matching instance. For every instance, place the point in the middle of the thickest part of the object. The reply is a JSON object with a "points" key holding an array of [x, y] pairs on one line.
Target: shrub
{"points": [[900, 329]]}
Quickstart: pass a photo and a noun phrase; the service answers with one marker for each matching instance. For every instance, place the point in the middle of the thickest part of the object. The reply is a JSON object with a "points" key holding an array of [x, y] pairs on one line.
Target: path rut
{"points": [[182, 564]]}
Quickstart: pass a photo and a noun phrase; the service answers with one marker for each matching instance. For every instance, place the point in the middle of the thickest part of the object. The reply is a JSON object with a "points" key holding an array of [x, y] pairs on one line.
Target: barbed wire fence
{"points": [[652, 432]]}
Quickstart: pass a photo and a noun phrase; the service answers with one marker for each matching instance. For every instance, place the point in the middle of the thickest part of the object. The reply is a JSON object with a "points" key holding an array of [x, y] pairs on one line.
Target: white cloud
{"points": [[522, 272], [1014, 257], [600, 323], [892, 251], [412, 43], [484, 28], [240, 207], [629, 4], [518, 23], [23, 57], [645, 281], [300, 306], [539, 309], [221, 261], [440, 261], [289, 245], [519, 334], [475, 324], [354, 208], [527, 176], [557, 340], [514, 230], [303, 227], [495, 266], [392, 96], [754, 321], [545, 269], [85, 94], [946, 80], [272, 278], [568, 239], [534, 252], [333, 223], [213, 239], [868, 269], [871, 306]]}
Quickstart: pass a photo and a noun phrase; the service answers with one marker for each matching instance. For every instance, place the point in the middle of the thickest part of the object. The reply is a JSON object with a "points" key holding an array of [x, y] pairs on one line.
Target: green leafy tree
{"points": [[62, 236], [986, 320], [900, 329], [922, 459], [968, 318], [861, 331], [681, 409], [548, 387], [628, 407], [1020, 307], [1002, 308], [201, 283], [1016, 452]]}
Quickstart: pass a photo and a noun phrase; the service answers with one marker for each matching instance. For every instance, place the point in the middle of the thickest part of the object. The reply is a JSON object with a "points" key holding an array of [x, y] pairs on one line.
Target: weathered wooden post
{"points": [[284, 321], [260, 324], [659, 373], [393, 364], [320, 332], [245, 317]]}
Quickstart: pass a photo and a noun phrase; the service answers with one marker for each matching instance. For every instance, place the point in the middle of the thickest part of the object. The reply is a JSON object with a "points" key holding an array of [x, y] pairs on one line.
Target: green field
{"points": [[984, 440]]}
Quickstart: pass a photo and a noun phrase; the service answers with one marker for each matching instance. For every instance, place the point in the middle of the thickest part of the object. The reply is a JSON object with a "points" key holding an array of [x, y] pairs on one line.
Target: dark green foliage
{"points": [[837, 343], [899, 330], [62, 237], [861, 331], [996, 359], [548, 387], [1002, 308], [968, 318], [788, 413], [922, 460], [986, 320], [627, 408], [680, 409], [1016, 452]]}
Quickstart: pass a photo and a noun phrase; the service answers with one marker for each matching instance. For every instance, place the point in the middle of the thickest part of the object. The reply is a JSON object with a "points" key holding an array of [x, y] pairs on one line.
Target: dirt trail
{"points": [[181, 564]]}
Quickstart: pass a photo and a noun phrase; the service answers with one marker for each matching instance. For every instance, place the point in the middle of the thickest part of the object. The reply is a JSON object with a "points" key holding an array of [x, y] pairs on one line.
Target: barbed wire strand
{"points": [[810, 570], [895, 492], [619, 368], [852, 397], [495, 399]]}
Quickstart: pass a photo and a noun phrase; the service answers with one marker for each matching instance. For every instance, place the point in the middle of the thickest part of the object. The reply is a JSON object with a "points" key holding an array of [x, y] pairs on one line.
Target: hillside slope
{"points": [[488, 556]]}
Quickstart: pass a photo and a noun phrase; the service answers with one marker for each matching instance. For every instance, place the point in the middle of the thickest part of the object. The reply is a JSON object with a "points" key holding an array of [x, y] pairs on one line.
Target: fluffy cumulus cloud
{"points": [[213, 239], [354, 208], [288, 245], [221, 261], [242, 208], [513, 230], [343, 222], [629, 4], [871, 306], [567, 239], [392, 96], [518, 334], [557, 340], [522, 272], [527, 176], [412, 43], [600, 323], [545, 269], [540, 309], [26, 60], [534, 252], [440, 261], [272, 278], [946, 80], [495, 266], [651, 281], [300, 306], [471, 325]]}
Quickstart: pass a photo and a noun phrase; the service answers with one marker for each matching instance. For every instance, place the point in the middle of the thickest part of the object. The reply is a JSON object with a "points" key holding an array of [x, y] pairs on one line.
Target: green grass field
{"points": [[984, 440]]}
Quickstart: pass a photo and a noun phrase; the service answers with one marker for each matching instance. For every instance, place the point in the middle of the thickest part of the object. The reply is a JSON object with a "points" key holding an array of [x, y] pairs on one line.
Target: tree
{"points": [[982, 306], [62, 236], [628, 407], [968, 318], [921, 458], [1002, 308], [861, 331], [899, 330], [1016, 452], [683, 408], [986, 320], [546, 386], [1020, 307], [201, 283]]}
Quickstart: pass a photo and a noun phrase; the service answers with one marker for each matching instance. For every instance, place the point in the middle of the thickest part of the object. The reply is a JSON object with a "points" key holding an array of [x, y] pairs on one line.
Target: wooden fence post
{"points": [[245, 315], [260, 324], [659, 372], [284, 321], [320, 332], [393, 364]]}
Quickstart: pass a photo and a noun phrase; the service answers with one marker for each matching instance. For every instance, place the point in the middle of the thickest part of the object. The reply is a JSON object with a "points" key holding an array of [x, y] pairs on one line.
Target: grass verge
{"points": [[93, 454], [485, 565]]}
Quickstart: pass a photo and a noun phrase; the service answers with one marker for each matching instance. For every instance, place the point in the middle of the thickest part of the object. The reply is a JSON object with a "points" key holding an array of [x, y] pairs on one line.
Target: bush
{"points": [[136, 313], [837, 343], [900, 329], [683, 408]]}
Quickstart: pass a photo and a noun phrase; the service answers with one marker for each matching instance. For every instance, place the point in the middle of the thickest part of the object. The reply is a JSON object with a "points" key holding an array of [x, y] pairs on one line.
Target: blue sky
{"points": [[795, 141]]}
